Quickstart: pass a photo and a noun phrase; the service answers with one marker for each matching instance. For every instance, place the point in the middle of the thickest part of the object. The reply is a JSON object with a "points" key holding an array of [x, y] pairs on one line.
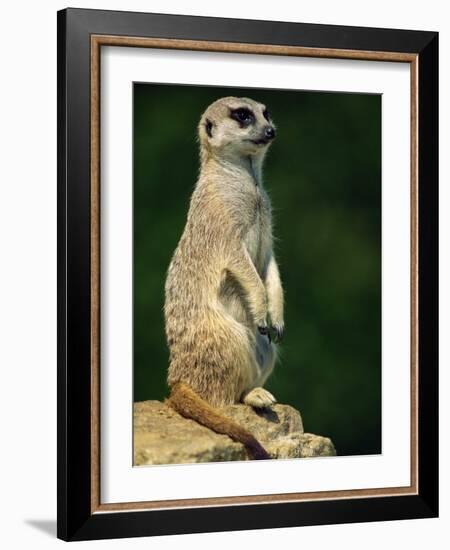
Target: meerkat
{"points": [[223, 295]]}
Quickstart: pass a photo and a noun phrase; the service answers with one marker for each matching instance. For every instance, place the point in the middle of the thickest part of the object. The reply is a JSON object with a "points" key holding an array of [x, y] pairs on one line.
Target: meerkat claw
{"points": [[279, 333]]}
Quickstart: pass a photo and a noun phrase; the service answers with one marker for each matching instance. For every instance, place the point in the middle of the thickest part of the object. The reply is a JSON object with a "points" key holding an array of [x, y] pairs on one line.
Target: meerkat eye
{"points": [[266, 114], [243, 116]]}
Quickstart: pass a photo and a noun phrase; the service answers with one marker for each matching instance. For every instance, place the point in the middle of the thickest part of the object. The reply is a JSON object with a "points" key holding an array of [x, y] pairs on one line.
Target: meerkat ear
{"points": [[208, 127]]}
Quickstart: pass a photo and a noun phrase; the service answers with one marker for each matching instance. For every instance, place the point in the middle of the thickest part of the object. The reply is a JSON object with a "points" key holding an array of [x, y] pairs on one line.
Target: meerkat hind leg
{"points": [[259, 398]]}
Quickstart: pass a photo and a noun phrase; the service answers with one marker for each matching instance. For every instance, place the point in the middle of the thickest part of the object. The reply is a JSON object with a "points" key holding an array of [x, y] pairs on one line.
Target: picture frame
{"points": [[81, 36]]}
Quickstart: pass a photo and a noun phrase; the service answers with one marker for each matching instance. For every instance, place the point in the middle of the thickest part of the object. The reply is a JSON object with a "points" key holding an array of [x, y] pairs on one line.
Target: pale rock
{"points": [[162, 436]]}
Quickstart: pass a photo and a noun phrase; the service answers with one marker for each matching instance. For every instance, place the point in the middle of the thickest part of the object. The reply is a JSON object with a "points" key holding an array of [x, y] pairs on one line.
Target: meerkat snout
{"points": [[236, 126]]}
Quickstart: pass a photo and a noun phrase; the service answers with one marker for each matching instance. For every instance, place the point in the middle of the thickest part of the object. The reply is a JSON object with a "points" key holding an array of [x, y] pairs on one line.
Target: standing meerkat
{"points": [[223, 295]]}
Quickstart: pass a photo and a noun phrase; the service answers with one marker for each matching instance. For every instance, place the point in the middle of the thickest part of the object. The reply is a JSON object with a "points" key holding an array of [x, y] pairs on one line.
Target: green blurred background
{"points": [[323, 173]]}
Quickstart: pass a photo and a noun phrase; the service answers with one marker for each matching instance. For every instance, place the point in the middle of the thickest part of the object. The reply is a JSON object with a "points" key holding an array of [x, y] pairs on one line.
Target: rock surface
{"points": [[162, 436]]}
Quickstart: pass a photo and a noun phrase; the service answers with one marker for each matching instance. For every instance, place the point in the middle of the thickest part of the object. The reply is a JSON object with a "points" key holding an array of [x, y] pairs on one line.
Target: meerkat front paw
{"points": [[259, 398]]}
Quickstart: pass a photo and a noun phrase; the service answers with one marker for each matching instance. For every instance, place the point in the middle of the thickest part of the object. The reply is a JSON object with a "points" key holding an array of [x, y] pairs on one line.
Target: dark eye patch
{"points": [[266, 114], [243, 116]]}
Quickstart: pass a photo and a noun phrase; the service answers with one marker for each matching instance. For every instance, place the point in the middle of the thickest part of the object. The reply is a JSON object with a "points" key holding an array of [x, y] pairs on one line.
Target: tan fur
{"points": [[223, 285]]}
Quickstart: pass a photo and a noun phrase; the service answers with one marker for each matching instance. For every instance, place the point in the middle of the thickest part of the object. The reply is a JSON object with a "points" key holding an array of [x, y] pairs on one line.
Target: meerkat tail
{"points": [[190, 405]]}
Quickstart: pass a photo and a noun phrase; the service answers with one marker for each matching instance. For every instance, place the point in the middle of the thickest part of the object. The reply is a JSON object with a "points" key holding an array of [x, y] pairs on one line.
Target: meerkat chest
{"points": [[258, 236]]}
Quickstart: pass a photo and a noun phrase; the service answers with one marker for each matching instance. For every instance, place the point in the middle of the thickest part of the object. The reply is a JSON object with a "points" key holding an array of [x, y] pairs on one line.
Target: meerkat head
{"points": [[234, 127]]}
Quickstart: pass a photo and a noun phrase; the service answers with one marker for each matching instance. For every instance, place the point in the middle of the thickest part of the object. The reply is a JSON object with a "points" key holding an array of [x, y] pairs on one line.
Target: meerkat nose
{"points": [[269, 132]]}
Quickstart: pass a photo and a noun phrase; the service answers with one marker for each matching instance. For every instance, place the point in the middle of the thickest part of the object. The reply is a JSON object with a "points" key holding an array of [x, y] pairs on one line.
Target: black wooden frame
{"points": [[75, 520]]}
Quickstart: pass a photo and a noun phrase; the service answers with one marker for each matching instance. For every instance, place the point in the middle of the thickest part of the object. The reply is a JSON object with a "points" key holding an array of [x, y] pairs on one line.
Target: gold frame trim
{"points": [[263, 49]]}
